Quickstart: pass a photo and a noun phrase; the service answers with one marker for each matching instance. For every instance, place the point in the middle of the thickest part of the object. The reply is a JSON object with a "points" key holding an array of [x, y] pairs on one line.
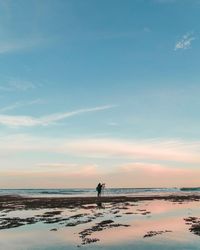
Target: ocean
{"points": [[140, 224], [70, 192]]}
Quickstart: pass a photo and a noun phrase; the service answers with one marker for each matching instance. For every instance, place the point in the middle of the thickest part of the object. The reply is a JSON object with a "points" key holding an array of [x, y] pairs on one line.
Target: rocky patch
{"points": [[194, 223], [106, 224], [154, 233]]}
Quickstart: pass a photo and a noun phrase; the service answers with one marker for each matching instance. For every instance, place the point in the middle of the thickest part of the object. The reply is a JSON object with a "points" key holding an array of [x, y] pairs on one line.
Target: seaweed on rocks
{"points": [[154, 233], [194, 223], [105, 224], [7, 223]]}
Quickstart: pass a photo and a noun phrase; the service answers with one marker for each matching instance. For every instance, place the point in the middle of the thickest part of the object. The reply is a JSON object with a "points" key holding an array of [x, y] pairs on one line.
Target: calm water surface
{"points": [[164, 215]]}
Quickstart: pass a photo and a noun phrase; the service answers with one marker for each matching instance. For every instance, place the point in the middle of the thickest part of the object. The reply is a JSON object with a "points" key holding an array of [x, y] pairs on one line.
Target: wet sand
{"points": [[16, 202], [96, 223]]}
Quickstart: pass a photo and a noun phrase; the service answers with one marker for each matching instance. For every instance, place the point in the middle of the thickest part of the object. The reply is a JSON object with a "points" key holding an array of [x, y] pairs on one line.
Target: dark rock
{"points": [[194, 223], [154, 233]]}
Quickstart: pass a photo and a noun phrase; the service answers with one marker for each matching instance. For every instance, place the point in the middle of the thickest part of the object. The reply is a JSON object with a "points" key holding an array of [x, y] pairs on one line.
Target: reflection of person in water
{"points": [[100, 205]]}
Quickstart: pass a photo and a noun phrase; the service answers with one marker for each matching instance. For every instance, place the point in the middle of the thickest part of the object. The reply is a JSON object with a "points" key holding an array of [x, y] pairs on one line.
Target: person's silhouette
{"points": [[98, 189]]}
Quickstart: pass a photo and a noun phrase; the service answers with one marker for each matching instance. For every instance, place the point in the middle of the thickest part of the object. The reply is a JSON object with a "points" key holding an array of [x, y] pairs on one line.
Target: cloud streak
{"points": [[185, 42], [177, 151], [20, 104], [29, 121], [18, 85], [144, 150], [142, 161], [57, 165], [81, 176], [141, 174], [135, 174]]}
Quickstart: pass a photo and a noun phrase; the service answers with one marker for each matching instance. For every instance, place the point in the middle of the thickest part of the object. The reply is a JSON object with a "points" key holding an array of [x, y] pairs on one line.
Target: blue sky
{"points": [[91, 87]]}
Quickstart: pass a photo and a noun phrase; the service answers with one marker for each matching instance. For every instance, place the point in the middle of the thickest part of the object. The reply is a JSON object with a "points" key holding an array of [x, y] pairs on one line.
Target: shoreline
{"points": [[14, 202], [88, 220]]}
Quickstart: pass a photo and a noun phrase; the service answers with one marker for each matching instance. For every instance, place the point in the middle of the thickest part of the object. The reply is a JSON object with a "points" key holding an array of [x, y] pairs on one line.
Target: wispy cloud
{"points": [[10, 107], [156, 150], [20, 104], [184, 42], [29, 121], [56, 165], [14, 84], [113, 124], [142, 162], [176, 151], [147, 174], [13, 38], [82, 176], [70, 169], [137, 174]]}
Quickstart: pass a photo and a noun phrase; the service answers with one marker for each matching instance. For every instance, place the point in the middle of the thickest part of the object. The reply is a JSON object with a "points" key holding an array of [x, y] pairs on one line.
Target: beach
{"points": [[114, 222], [99, 125]]}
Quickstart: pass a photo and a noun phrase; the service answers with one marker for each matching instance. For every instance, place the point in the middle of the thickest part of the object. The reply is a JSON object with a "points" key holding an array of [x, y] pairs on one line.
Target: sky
{"points": [[99, 91]]}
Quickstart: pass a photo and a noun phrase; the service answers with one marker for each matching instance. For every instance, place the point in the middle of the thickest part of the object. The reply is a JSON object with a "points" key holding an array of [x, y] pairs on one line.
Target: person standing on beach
{"points": [[98, 189]]}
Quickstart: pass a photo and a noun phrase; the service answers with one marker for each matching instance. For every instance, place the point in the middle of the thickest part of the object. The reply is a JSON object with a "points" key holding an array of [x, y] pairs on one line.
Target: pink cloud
{"points": [[149, 149], [127, 175], [154, 149], [154, 175], [52, 177]]}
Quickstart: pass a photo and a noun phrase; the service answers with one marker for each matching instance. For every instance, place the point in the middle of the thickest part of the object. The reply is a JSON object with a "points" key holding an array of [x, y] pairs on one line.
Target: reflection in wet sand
{"points": [[104, 225]]}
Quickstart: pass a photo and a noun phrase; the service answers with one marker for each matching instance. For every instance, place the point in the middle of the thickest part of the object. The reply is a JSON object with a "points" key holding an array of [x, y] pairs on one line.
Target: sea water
{"points": [[164, 215], [70, 192]]}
